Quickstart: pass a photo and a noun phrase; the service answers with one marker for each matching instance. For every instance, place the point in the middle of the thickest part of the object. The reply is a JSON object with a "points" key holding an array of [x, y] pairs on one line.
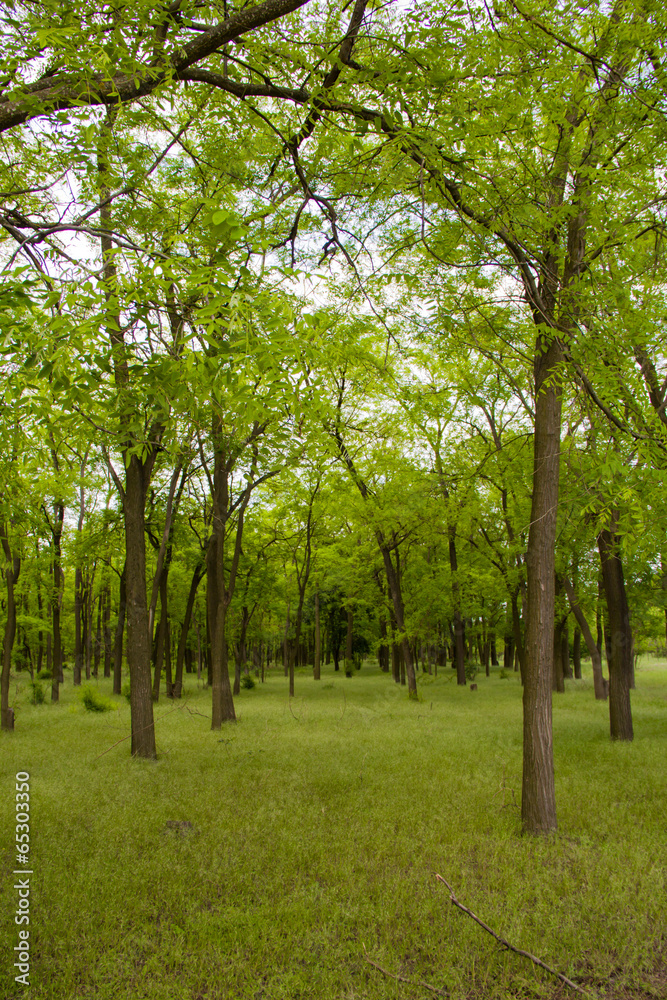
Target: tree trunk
{"points": [[459, 625], [538, 794], [138, 640], [119, 633], [518, 644], [620, 635], [576, 653], [318, 639], [78, 626], [185, 628], [348, 643], [107, 631], [558, 676], [58, 583], [12, 571], [599, 682]]}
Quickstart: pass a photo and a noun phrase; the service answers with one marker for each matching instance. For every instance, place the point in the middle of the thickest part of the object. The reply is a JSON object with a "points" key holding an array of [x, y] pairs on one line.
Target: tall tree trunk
{"points": [[599, 682], [12, 570], [518, 647], [97, 649], [185, 628], [58, 583], [89, 627], [576, 653], [348, 643], [620, 635], [119, 633], [107, 630], [78, 625], [138, 652], [459, 625], [538, 795], [558, 675], [137, 479], [394, 582], [318, 639]]}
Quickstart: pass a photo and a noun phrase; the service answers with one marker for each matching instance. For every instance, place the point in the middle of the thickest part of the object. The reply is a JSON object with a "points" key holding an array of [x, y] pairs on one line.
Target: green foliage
{"points": [[247, 682], [125, 690], [37, 696], [94, 701]]}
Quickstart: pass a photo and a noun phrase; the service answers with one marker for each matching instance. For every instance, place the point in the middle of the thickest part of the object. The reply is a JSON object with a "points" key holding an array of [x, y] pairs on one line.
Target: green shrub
{"points": [[37, 695], [44, 675], [125, 690], [95, 702], [503, 674], [247, 681], [471, 671]]}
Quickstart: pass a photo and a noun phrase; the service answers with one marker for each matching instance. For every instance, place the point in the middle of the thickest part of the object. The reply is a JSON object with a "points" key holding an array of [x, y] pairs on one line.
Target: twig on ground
{"points": [[193, 711], [404, 979], [506, 944], [297, 717]]}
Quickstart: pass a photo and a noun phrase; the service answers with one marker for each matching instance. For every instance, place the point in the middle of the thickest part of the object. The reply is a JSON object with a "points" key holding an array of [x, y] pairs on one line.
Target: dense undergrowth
{"points": [[272, 859]]}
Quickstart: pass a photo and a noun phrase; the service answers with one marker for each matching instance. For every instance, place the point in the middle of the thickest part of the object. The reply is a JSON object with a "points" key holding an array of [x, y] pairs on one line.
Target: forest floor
{"points": [[307, 839]]}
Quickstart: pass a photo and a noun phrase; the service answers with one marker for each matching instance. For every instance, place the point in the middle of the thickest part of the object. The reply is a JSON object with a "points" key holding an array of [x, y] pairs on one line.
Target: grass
{"points": [[316, 829]]}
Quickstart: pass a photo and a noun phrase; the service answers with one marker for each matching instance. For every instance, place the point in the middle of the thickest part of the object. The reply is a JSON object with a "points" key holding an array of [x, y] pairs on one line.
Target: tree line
{"points": [[354, 308]]}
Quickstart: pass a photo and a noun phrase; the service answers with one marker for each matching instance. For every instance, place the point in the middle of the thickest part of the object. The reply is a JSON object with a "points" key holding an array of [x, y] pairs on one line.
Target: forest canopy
{"points": [[330, 332]]}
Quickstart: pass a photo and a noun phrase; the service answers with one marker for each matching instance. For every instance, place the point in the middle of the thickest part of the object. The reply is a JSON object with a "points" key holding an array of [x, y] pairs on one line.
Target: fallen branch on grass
{"points": [[404, 979], [506, 944]]}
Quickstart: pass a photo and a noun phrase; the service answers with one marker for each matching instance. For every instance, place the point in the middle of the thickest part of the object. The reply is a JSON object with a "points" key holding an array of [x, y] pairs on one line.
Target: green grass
{"points": [[317, 827]]}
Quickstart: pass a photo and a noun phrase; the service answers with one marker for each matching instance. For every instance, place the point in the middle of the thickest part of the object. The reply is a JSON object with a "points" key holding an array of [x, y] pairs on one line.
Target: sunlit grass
{"points": [[317, 827]]}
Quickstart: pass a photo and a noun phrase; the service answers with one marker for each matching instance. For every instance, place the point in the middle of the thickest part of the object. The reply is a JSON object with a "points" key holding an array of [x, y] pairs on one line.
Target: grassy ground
{"points": [[317, 827]]}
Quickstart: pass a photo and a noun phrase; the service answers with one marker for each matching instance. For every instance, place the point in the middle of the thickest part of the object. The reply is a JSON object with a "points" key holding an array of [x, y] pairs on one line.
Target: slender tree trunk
{"points": [[107, 630], [138, 640], [558, 676], [538, 796], [11, 574], [89, 630], [599, 683], [348, 642], [137, 478], [119, 633], [185, 628], [58, 583], [620, 635], [518, 648], [459, 625], [78, 626], [318, 639], [97, 649], [576, 653]]}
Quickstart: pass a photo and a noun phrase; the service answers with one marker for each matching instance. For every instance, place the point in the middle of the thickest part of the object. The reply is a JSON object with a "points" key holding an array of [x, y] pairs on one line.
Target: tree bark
{"points": [[185, 628], [138, 652], [599, 682], [538, 796], [11, 574], [318, 639], [620, 635], [348, 643], [119, 633], [576, 653], [459, 625], [58, 583]]}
